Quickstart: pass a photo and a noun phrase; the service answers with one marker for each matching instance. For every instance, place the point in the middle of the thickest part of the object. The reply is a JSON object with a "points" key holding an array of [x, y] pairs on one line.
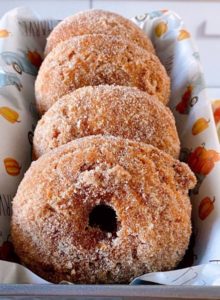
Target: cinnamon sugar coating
{"points": [[97, 21], [147, 189], [115, 110], [98, 59]]}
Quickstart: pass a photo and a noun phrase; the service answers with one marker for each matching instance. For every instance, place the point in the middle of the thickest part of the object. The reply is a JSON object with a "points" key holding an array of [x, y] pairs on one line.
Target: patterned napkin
{"points": [[22, 40]]}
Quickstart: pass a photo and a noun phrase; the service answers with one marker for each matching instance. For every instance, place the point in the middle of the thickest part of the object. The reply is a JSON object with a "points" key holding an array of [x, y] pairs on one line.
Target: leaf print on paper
{"points": [[206, 206], [9, 114], [156, 14], [8, 78], [151, 15], [141, 18], [187, 101], [12, 167], [35, 58], [200, 125], [23, 62]]}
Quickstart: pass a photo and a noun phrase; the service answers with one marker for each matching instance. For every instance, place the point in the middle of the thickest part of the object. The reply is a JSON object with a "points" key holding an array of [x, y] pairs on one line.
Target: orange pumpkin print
{"points": [[200, 125], [161, 29], [211, 154], [35, 58], [206, 206], [199, 150], [202, 160], [12, 166], [183, 34], [4, 33], [206, 167], [9, 114]]}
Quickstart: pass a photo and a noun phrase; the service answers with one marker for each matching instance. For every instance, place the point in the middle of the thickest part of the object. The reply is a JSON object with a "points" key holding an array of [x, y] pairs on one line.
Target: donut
{"points": [[102, 209], [95, 22], [114, 110], [98, 59]]}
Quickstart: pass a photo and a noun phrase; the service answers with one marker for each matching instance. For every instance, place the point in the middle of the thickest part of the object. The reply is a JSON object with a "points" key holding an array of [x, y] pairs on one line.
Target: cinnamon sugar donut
{"points": [[94, 22], [115, 110], [98, 59], [102, 210]]}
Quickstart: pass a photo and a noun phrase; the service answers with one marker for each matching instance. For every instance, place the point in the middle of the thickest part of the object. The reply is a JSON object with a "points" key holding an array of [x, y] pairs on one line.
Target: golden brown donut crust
{"points": [[147, 188], [97, 21], [115, 110], [98, 59]]}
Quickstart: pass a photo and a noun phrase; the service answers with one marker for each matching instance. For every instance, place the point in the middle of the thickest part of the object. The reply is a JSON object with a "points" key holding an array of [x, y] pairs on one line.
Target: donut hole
{"points": [[104, 217]]}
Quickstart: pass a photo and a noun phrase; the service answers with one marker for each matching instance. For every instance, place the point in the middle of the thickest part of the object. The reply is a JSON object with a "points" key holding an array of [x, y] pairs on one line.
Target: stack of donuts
{"points": [[106, 199]]}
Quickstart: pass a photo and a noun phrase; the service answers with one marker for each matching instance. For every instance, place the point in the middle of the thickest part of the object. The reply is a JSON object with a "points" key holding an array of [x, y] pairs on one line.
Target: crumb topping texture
{"points": [[146, 188]]}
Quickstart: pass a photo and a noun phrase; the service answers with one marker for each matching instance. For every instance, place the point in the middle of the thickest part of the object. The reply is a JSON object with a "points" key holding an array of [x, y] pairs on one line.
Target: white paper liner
{"points": [[203, 275], [17, 274], [22, 40]]}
